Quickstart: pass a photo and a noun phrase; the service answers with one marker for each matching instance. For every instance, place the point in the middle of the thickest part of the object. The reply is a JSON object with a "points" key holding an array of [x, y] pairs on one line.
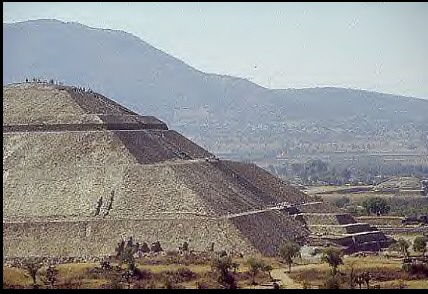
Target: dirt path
{"points": [[281, 278], [284, 280]]}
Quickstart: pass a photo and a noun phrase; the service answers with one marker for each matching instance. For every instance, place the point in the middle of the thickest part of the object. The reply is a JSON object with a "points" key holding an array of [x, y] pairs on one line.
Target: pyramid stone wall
{"points": [[97, 238], [80, 172]]}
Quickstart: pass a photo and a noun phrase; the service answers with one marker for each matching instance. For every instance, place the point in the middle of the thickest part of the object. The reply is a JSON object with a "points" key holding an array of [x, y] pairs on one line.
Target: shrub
{"points": [[115, 283], [156, 247], [331, 282], [416, 268], [376, 205], [420, 245], [333, 257], [202, 285], [142, 274], [306, 285], [184, 274], [342, 201], [171, 285], [145, 284], [145, 248], [400, 246], [125, 252], [51, 276], [178, 276], [105, 265]]}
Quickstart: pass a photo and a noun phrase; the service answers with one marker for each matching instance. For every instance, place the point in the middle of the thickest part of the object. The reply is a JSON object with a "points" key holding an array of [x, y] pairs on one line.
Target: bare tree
{"points": [[32, 267]]}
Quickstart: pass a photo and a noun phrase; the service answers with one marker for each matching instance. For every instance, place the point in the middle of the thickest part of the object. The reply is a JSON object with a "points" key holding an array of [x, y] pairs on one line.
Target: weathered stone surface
{"points": [[81, 172], [88, 238]]}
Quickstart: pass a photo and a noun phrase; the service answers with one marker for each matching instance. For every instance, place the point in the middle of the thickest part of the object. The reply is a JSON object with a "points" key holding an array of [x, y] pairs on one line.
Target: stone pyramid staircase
{"points": [[339, 229]]}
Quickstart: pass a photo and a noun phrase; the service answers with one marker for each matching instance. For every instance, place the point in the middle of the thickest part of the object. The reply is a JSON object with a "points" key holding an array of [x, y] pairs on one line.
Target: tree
{"points": [[223, 265], [342, 201], [403, 247], [420, 245], [359, 280], [333, 257], [32, 267], [254, 267], [128, 254], [289, 251], [352, 277], [376, 205], [125, 252], [366, 277], [51, 275], [332, 282], [267, 268]]}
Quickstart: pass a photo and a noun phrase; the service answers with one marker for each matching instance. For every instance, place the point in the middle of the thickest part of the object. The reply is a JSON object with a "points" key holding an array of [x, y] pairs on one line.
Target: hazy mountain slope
{"points": [[113, 62], [206, 107]]}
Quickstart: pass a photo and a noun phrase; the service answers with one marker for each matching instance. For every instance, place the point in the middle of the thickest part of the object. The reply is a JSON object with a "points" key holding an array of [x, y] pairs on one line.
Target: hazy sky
{"points": [[375, 46]]}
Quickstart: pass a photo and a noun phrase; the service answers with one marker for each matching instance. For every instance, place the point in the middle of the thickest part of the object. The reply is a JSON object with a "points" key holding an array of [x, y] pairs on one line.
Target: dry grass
{"points": [[74, 270], [93, 284], [417, 284], [158, 268], [395, 284], [75, 275], [386, 272], [69, 276], [16, 276]]}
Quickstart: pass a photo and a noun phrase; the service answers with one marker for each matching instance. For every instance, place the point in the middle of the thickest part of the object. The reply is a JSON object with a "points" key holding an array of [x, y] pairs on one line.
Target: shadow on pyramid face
{"points": [[67, 149]]}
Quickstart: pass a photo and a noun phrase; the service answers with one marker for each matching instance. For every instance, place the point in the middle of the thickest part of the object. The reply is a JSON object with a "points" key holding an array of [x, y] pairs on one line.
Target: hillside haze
{"points": [[230, 116]]}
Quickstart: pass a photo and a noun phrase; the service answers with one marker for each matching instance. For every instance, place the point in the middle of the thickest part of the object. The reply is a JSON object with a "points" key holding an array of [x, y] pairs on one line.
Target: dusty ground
{"points": [[388, 274]]}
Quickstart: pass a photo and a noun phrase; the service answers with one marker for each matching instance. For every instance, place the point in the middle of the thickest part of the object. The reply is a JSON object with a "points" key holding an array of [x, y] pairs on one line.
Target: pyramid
{"points": [[81, 172]]}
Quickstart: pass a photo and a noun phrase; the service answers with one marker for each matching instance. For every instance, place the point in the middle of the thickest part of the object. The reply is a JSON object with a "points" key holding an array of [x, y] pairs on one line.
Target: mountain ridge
{"points": [[127, 34], [207, 107]]}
